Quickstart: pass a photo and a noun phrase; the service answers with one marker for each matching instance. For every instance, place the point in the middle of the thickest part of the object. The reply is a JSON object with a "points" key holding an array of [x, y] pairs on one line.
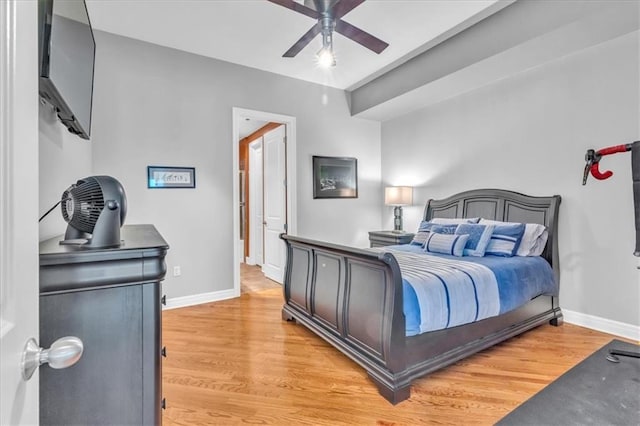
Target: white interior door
{"points": [[255, 202], [275, 208], [19, 207], [290, 200]]}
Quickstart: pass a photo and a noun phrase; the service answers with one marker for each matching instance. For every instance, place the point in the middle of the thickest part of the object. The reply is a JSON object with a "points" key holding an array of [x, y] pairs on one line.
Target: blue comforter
{"points": [[442, 291]]}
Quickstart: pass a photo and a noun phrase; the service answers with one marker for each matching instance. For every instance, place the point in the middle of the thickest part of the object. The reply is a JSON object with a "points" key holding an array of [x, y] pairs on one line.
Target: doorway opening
{"points": [[264, 146]]}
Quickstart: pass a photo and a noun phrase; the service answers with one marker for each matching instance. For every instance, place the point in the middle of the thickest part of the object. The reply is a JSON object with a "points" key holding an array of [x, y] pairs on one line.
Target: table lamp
{"points": [[398, 196]]}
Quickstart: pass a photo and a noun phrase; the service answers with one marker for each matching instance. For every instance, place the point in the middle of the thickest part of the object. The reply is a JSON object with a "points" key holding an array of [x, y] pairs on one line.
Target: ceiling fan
{"points": [[329, 14]]}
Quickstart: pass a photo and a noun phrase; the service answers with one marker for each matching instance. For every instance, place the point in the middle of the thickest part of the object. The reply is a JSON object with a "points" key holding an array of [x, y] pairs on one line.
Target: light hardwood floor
{"points": [[237, 362], [252, 279]]}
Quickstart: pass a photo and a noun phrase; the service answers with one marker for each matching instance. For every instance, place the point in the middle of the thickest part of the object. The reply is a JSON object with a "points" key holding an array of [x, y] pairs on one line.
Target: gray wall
{"points": [[529, 133], [64, 158], [159, 106]]}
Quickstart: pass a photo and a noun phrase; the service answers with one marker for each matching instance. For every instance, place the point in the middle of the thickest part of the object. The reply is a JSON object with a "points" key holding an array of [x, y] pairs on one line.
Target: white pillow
{"points": [[446, 244], [534, 238]]}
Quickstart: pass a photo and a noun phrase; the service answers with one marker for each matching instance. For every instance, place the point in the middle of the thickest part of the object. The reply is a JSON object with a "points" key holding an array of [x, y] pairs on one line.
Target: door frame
{"points": [[239, 114], [255, 183]]}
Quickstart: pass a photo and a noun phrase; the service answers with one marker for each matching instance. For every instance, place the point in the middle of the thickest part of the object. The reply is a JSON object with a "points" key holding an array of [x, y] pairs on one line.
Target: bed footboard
{"points": [[353, 299]]}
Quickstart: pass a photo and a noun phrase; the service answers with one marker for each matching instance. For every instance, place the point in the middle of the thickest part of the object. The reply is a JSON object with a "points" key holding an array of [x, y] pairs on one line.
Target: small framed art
{"points": [[335, 177], [171, 177]]}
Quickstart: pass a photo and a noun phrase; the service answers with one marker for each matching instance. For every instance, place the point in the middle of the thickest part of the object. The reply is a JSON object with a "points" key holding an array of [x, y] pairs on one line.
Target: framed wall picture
{"points": [[171, 177], [335, 177]]}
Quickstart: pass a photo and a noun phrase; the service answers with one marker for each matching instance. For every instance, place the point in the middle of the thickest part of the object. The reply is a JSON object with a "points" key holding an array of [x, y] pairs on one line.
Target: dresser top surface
{"points": [[133, 237]]}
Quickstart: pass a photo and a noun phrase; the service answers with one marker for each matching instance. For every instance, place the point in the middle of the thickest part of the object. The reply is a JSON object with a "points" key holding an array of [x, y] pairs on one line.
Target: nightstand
{"points": [[389, 238]]}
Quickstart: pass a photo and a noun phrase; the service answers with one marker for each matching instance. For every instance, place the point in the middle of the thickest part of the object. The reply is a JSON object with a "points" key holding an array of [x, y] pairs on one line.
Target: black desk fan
{"points": [[94, 208]]}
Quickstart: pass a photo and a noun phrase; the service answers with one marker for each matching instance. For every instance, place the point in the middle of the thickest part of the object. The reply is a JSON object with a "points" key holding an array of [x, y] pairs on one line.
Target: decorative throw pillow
{"points": [[419, 238], [505, 240], [534, 238], [425, 227], [422, 234], [446, 243], [479, 237], [454, 221]]}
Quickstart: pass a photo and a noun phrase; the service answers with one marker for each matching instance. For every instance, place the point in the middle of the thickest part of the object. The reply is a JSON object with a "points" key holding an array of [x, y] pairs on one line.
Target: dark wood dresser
{"points": [[111, 299]]}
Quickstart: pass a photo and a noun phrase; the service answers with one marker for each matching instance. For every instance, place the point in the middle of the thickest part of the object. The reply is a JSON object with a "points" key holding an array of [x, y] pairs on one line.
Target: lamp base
{"points": [[397, 220]]}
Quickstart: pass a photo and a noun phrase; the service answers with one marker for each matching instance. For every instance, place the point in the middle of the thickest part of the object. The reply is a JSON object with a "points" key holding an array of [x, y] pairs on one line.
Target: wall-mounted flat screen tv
{"points": [[67, 52]]}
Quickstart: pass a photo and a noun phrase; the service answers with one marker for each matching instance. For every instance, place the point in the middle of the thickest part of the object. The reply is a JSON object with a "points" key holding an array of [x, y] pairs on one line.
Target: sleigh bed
{"points": [[353, 298]]}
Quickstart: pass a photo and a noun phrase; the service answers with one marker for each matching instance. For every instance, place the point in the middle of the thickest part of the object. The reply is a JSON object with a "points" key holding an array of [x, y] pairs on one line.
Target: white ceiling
{"points": [[248, 126], [256, 33]]}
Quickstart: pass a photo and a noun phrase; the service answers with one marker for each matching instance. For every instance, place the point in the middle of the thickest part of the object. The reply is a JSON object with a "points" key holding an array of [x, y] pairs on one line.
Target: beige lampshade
{"points": [[398, 195]]}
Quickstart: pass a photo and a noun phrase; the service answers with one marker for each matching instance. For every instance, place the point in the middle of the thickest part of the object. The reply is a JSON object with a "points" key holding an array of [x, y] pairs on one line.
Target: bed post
{"points": [[394, 395], [552, 255], [287, 316]]}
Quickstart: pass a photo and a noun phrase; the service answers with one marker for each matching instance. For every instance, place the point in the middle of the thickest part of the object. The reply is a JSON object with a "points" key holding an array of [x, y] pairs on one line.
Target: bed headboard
{"points": [[508, 206]]}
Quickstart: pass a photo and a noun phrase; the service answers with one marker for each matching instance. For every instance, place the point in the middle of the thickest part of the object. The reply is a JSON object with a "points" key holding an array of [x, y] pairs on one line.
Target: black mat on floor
{"points": [[594, 392]]}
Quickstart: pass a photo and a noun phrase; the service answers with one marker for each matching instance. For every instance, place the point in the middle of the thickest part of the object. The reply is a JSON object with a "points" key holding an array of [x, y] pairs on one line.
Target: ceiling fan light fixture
{"points": [[326, 58]]}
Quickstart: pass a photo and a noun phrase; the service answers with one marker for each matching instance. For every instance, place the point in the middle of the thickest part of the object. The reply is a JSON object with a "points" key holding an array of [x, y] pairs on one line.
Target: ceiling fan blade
{"points": [[304, 40], [345, 6], [359, 36], [300, 8]]}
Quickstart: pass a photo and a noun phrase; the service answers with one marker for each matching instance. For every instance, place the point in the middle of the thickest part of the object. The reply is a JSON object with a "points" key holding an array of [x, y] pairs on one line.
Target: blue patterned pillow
{"points": [[505, 240], [444, 229], [454, 220], [446, 243], [426, 227], [479, 237]]}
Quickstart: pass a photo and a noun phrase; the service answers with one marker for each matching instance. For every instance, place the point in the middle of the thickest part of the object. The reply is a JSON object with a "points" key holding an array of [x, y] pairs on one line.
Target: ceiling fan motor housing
{"points": [[95, 208], [320, 5]]}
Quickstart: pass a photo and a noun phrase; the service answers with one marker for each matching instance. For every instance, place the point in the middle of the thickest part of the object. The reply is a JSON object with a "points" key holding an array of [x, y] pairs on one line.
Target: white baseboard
{"points": [[197, 299], [602, 324]]}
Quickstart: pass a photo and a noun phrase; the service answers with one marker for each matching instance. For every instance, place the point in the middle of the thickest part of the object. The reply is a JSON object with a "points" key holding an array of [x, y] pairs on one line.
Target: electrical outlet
{"points": [[176, 271]]}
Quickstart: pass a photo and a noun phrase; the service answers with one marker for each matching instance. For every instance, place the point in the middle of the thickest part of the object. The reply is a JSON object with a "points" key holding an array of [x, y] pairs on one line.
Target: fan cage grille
{"points": [[82, 205]]}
